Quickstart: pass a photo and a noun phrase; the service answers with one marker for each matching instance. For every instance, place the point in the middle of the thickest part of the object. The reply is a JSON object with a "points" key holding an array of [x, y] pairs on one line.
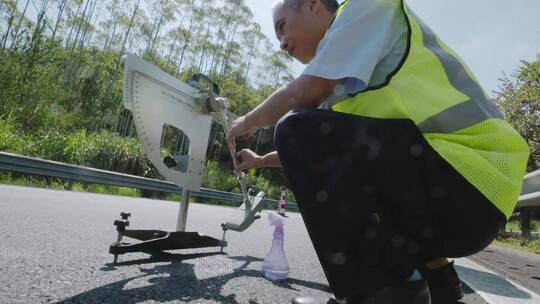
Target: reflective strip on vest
{"points": [[463, 115], [341, 7]]}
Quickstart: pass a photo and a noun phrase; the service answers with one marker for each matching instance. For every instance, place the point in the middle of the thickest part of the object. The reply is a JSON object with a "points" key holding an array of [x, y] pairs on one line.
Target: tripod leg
{"points": [[183, 211]]}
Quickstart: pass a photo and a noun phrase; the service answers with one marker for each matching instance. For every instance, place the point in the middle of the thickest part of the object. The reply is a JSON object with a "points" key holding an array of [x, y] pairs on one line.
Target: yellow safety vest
{"points": [[435, 89]]}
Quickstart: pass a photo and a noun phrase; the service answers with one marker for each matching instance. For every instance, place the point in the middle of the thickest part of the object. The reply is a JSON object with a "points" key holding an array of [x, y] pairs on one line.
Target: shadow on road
{"points": [[493, 284], [158, 257], [176, 281]]}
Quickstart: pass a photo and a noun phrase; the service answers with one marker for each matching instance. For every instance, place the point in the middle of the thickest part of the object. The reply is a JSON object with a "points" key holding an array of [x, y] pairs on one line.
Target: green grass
{"points": [[38, 182], [105, 189], [515, 242], [172, 197], [529, 245], [514, 226]]}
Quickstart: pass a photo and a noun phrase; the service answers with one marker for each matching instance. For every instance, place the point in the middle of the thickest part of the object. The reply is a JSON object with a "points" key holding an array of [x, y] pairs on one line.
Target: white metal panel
{"points": [[531, 183], [155, 98], [530, 193]]}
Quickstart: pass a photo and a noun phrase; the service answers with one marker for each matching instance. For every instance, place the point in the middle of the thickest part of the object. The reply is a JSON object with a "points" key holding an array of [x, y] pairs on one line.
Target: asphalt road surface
{"points": [[518, 266], [54, 249]]}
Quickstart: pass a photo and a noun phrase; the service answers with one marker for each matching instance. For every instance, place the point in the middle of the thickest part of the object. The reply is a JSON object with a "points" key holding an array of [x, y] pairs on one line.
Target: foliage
{"points": [[61, 73], [105, 189], [530, 245], [519, 99], [63, 69], [48, 183], [31, 181], [103, 150], [9, 137], [108, 151], [214, 177], [514, 226], [61, 76], [241, 98]]}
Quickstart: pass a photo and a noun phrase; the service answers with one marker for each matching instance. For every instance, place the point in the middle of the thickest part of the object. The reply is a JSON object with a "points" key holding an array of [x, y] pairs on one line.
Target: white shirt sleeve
{"points": [[359, 38]]}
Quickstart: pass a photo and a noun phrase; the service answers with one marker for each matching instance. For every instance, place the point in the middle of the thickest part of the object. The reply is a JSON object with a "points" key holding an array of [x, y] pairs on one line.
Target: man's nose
{"points": [[284, 43]]}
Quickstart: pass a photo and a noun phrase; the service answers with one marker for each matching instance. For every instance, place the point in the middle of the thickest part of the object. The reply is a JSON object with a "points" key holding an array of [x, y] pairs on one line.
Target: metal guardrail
{"points": [[530, 192], [529, 197], [41, 167]]}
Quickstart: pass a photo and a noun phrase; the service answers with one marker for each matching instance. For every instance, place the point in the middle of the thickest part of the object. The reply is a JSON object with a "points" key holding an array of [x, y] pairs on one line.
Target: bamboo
{"points": [[110, 36], [17, 28], [127, 33], [73, 25], [79, 27], [58, 18], [87, 24], [10, 23]]}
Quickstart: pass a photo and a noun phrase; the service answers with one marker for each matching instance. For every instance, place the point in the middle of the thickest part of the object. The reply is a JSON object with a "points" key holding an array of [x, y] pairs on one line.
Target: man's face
{"points": [[298, 30]]}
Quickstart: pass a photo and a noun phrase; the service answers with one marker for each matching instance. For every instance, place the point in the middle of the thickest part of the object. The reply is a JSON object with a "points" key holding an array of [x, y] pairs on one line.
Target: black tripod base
{"points": [[157, 240]]}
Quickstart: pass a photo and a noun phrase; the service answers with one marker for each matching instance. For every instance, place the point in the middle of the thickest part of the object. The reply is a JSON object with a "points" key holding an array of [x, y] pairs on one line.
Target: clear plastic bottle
{"points": [[275, 266]]}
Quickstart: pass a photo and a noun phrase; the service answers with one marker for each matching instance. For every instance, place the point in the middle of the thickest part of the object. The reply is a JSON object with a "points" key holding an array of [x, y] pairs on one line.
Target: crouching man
{"points": [[394, 154]]}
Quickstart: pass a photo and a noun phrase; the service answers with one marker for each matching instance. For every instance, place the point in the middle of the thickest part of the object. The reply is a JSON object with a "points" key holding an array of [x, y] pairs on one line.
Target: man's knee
{"points": [[292, 118], [290, 129]]}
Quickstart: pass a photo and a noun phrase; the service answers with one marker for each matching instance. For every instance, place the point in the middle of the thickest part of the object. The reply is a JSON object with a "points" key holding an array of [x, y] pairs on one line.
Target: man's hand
{"points": [[238, 128], [305, 91], [246, 160]]}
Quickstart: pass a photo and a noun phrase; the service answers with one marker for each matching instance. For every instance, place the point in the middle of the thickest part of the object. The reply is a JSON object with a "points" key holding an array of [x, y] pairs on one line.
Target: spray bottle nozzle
{"points": [[275, 219]]}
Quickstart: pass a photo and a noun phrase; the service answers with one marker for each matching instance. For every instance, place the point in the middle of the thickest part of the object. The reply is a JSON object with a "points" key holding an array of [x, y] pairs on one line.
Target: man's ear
{"points": [[314, 6]]}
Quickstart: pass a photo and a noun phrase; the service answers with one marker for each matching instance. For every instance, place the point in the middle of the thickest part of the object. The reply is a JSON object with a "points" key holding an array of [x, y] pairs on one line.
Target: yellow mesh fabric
{"points": [[491, 156]]}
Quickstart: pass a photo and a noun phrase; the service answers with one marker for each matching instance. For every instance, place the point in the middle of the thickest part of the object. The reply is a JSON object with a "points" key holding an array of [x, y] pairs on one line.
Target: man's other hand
{"points": [[247, 159]]}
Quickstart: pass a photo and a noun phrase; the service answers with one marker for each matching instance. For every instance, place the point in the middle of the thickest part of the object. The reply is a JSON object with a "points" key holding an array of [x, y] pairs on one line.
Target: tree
{"points": [[18, 26], [72, 20], [164, 13], [61, 7], [240, 15], [252, 38], [110, 25], [277, 68], [519, 99], [12, 5], [130, 25]]}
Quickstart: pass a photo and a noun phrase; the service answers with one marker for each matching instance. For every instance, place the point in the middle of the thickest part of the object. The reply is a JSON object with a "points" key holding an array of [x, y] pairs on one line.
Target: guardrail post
{"points": [[525, 222]]}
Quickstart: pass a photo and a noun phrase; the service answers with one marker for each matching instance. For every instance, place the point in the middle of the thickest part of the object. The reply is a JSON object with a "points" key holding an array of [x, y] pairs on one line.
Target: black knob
{"points": [[121, 225], [125, 215], [170, 162]]}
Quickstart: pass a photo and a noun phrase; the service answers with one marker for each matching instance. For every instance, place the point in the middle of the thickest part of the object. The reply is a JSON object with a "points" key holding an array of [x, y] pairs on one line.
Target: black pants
{"points": [[376, 199]]}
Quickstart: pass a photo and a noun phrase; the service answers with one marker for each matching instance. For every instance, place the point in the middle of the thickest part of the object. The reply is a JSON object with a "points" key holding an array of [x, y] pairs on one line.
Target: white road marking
{"points": [[492, 287]]}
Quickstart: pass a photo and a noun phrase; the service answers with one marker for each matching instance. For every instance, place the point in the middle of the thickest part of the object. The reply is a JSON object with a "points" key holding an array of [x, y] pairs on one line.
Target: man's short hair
{"points": [[331, 5]]}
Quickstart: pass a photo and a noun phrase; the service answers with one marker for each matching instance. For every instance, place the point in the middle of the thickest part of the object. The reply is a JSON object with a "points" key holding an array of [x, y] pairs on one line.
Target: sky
{"points": [[491, 36]]}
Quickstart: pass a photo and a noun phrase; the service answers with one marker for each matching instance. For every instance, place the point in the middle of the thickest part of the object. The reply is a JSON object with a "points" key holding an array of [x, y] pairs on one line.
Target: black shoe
{"points": [[444, 284], [415, 292], [408, 292]]}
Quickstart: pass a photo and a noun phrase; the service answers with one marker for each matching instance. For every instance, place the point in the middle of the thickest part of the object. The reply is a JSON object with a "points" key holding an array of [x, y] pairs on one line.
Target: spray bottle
{"points": [[275, 266]]}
